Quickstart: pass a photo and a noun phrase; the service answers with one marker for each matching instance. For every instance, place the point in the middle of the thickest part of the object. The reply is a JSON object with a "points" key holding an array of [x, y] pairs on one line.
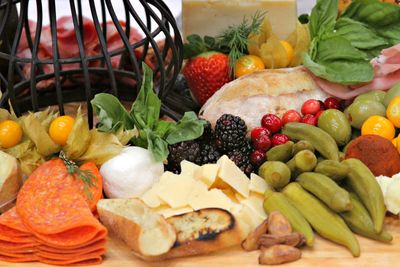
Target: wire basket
{"points": [[75, 57]]}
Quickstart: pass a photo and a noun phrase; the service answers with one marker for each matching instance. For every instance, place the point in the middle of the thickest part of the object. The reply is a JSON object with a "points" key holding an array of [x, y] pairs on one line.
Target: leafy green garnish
{"points": [[232, 41], [342, 47], [154, 134]]}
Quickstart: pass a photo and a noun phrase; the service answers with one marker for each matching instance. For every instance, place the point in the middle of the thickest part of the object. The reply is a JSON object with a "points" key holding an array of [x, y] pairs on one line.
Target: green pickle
{"points": [[275, 201], [363, 182], [281, 153], [275, 173], [360, 222], [335, 170], [302, 145], [326, 222], [326, 190]]}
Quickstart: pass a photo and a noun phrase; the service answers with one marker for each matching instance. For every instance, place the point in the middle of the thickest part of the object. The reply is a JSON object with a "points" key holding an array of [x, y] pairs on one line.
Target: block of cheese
{"points": [[175, 190], [151, 198], [167, 212], [255, 203], [257, 184], [207, 174], [214, 198], [211, 17], [247, 215], [233, 176], [188, 168]]}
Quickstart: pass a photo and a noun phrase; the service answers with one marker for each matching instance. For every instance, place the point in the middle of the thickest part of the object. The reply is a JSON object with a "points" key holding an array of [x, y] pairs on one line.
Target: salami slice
{"points": [[85, 249], [58, 256], [31, 258], [73, 262]]}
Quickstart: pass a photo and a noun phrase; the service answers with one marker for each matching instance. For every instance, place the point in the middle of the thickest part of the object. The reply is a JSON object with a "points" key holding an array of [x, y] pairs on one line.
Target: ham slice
{"points": [[386, 74]]}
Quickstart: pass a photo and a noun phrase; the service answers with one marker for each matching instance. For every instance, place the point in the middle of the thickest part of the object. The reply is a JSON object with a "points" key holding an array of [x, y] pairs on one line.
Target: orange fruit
{"points": [[379, 125], [60, 129], [393, 111], [10, 133], [248, 64], [289, 50]]}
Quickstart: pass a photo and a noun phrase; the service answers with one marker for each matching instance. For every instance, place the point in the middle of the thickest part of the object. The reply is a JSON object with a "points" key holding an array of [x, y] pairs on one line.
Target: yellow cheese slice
{"points": [[167, 212], [255, 203], [207, 174], [188, 168], [257, 184], [214, 198], [247, 215], [233, 176], [175, 190], [151, 198]]}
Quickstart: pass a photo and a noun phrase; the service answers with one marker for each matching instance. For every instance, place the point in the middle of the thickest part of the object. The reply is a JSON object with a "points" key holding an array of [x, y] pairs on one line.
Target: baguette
{"points": [[147, 233], [10, 180]]}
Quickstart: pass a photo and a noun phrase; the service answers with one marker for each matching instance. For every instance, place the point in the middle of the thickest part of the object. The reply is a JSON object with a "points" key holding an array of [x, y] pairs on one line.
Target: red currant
{"points": [[291, 116], [311, 106], [279, 139], [257, 157], [272, 122], [262, 143], [332, 103], [259, 131], [310, 119]]}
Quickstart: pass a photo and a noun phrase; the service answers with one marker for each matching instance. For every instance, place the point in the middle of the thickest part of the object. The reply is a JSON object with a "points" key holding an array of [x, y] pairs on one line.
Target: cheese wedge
{"points": [[257, 184], [169, 212], [175, 190], [214, 198], [233, 176], [188, 168], [207, 174]]}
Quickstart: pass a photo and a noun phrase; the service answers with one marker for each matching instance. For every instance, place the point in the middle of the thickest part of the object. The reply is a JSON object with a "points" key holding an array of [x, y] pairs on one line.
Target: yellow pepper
{"points": [[378, 125]]}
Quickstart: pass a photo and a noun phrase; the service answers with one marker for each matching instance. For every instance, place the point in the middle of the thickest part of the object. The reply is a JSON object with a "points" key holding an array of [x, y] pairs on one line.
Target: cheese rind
{"points": [[233, 176]]}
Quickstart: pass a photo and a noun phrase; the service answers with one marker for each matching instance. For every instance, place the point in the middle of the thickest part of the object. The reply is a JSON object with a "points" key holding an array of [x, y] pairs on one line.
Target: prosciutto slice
{"points": [[386, 74]]}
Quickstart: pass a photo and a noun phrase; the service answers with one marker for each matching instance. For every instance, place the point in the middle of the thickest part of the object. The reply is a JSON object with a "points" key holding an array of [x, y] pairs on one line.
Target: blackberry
{"points": [[189, 150], [209, 153], [242, 160], [208, 134], [230, 132]]}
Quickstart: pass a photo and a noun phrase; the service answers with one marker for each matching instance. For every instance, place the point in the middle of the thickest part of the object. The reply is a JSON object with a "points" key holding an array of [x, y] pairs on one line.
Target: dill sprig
{"points": [[86, 176]]}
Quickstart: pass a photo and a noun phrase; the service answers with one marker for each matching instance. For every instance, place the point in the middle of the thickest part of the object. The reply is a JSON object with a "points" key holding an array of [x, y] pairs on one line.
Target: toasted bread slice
{"points": [[203, 231], [10, 180], [147, 233]]}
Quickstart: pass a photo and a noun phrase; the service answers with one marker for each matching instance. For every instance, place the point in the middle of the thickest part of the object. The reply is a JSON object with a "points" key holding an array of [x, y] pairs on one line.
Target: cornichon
{"points": [[333, 169], [327, 223], [361, 223], [303, 161], [326, 190], [281, 153], [302, 145], [275, 201], [275, 173], [364, 184], [321, 140]]}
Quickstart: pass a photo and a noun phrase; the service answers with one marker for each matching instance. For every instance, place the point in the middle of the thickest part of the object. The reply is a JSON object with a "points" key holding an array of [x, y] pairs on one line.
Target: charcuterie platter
{"points": [[269, 139]]}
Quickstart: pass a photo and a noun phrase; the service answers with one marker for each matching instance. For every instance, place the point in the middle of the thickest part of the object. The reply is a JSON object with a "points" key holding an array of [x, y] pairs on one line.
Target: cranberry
{"points": [[310, 119], [311, 106], [257, 157], [319, 114], [259, 131], [279, 139], [291, 116], [332, 103], [272, 122], [262, 143]]}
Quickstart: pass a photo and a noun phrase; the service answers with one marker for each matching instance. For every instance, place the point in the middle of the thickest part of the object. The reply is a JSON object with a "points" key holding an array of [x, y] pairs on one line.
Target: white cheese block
{"points": [[188, 168], [169, 212], [207, 174], [233, 176], [175, 190], [151, 198], [211, 17], [257, 184], [248, 216], [214, 198]]}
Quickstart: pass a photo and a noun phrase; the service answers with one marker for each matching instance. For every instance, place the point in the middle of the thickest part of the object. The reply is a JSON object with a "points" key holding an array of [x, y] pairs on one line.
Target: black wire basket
{"points": [[75, 57]]}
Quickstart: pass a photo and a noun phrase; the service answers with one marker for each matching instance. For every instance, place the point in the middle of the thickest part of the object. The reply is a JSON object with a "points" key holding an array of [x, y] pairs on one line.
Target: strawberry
{"points": [[206, 74]]}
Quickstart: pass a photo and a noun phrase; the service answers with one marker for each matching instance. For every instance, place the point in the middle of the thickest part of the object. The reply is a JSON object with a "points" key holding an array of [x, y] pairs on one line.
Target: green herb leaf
{"points": [[110, 113], [304, 18], [156, 145], [391, 33], [194, 47], [359, 34], [334, 47], [323, 17], [146, 109], [188, 128]]}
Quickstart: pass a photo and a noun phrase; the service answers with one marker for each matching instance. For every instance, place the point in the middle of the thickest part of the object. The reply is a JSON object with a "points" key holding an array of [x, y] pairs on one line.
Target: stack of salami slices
{"points": [[53, 221]]}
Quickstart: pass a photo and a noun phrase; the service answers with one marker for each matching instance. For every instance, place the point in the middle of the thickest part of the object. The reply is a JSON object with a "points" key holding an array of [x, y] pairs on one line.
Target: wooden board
{"points": [[324, 254]]}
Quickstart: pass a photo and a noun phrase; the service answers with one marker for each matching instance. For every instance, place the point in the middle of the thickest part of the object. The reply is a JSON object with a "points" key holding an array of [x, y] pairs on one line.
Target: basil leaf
{"points": [[333, 47], [146, 108], [157, 146], [359, 34], [323, 17], [188, 128], [110, 113], [194, 47], [390, 33], [341, 71], [163, 127]]}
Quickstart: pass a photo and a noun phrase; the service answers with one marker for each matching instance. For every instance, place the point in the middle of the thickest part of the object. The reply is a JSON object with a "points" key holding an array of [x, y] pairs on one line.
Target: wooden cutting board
{"points": [[324, 254]]}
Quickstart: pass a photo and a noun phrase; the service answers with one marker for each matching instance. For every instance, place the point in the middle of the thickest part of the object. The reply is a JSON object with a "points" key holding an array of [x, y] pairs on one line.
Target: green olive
{"points": [[335, 123], [392, 93], [373, 96], [358, 112]]}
